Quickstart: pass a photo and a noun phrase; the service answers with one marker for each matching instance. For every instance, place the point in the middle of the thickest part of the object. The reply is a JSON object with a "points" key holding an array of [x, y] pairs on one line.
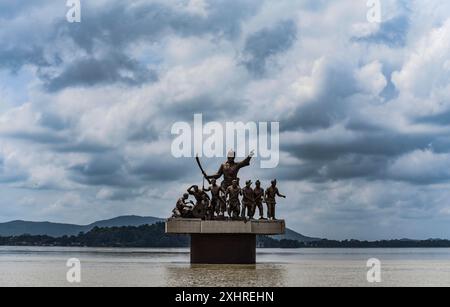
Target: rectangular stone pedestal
{"points": [[223, 249], [197, 226], [224, 242]]}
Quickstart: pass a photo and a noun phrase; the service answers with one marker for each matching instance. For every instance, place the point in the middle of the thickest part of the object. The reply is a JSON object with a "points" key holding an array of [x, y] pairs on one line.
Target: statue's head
{"points": [[235, 182], [248, 183], [258, 183], [274, 182], [213, 181], [196, 188], [185, 195], [231, 155]]}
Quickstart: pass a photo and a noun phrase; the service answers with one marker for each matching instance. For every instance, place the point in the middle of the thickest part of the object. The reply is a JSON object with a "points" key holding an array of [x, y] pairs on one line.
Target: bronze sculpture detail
{"points": [[182, 208], [270, 195], [232, 194], [230, 169], [218, 203], [248, 200], [225, 198], [258, 194]]}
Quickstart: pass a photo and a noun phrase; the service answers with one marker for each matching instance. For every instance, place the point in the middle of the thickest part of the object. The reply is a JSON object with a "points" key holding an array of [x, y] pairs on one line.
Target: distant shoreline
{"points": [[258, 248], [154, 236]]}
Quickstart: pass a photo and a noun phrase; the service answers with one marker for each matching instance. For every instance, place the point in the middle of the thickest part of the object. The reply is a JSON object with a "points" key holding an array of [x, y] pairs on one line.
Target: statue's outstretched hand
{"points": [[252, 153]]}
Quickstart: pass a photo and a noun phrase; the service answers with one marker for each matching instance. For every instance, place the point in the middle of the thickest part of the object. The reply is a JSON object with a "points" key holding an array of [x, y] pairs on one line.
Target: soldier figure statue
{"points": [[197, 193], [209, 210], [232, 195], [258, 193], [226, 196], [201, 206], [217, 202], [182, 208], [230, 169], [247, 200], [270, 195]]}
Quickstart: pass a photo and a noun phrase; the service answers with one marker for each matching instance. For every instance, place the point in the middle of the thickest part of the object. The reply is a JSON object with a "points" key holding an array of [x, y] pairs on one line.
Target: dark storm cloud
{"points": [[381, 143], [368, 156], [423, 178], [13, 58], [55, 140], [162, 168], [41, 137], [219, 107], [262, 45], [393, 33], [10, 9], [115, 68], [439, 119], [362, 125], [113, 170], [351, 166], [122, 194], [27, 44], [52, 121], [344, 167], [102, 169], [80, 147], [119, 24], [330, 105], [112, 29], [354, 166], [6, 176]]}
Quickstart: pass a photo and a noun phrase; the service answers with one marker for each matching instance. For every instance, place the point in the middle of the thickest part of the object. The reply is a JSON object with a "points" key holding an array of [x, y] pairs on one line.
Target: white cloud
{"points": [[424, 72], [421, 165], [371, 78]]}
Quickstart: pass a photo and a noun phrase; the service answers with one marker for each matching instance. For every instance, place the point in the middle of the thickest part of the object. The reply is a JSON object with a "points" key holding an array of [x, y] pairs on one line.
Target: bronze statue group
{"points": [[226, 198]]}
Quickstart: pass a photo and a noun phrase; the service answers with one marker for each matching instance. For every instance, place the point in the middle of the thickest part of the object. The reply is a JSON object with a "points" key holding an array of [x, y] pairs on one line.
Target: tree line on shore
{"points": [[155, 236]]}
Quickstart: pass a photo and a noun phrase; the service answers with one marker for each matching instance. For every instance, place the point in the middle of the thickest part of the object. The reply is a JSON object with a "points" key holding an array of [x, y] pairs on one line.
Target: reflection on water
{"points": [[226, 275], [46, 266]]}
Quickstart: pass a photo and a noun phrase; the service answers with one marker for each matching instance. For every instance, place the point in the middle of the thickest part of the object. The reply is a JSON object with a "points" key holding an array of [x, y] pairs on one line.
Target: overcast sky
{"points": [[364, 108]]}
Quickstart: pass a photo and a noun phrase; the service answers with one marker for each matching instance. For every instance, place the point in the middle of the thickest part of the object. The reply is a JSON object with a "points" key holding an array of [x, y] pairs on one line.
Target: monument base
{"points": [[223, 249], [224, 242]]}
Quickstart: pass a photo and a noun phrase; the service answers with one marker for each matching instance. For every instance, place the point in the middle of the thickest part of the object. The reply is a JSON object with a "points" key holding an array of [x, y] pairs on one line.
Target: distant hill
{"points": [[16, 228], [292, 235], [130, 220], [149, 236]]}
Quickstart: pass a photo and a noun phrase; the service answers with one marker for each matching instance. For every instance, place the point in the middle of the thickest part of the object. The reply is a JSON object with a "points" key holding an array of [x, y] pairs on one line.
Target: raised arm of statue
{"points": [[190, 190], [247, 160], [218, 175]]}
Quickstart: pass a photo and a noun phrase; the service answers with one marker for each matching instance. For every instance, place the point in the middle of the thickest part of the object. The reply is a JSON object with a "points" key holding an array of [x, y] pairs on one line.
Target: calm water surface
{"points": [[44, 266]]}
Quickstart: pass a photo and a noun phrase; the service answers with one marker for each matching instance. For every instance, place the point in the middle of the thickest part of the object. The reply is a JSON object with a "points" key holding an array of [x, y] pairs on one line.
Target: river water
{"points": [[46, 266]]}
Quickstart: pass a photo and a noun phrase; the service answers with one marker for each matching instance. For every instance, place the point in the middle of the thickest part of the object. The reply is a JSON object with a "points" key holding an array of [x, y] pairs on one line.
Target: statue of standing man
{"points": [[270, 195], [232, 195], [248, 200], [258, 203], [230, 169]]}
